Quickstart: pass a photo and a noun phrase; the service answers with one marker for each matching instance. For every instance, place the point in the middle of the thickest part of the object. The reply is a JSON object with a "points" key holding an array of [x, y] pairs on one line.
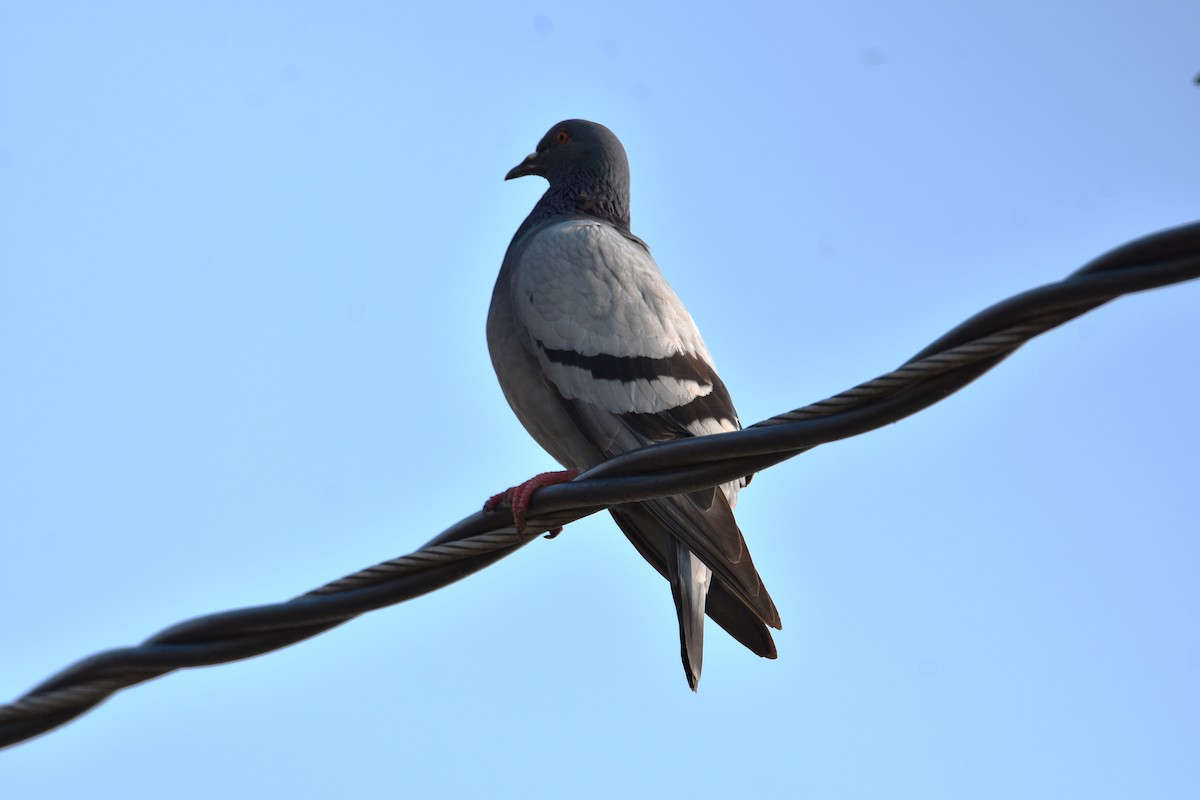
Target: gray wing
{"points": [[623, 359]]}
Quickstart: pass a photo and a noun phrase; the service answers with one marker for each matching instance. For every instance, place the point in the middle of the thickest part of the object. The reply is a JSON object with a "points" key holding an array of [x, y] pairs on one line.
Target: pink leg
{"points": [[518, 496]]}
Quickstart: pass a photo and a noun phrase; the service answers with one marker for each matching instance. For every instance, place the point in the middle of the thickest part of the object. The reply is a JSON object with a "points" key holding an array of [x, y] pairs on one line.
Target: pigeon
{"points": [[597, 355]]}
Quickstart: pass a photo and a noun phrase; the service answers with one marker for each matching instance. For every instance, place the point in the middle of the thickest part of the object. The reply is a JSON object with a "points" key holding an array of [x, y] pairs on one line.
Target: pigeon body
{"points": [[597, 355]]}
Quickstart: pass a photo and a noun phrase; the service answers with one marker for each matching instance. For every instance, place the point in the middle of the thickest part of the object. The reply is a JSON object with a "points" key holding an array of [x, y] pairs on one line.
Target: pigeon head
{"points": [[587, 170]]}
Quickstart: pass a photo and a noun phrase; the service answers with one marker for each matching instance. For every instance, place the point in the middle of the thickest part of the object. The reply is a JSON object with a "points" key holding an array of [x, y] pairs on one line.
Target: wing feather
{"points": [[627, 361]]}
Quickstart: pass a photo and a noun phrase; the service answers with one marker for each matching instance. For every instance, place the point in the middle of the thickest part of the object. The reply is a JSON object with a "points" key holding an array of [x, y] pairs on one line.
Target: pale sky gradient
{"points": [[246, 252]]}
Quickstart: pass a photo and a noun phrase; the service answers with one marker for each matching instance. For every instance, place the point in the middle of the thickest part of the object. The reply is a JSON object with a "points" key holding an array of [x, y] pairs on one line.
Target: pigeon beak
{"points": [[529, 166]]}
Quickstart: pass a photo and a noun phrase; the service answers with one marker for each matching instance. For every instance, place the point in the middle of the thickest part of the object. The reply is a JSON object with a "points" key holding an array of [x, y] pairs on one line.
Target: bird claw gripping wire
{"points": [[518, 496]]}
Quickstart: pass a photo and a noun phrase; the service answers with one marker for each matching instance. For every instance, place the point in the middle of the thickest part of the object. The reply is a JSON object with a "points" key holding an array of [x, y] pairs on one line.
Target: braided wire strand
{"points": [[914, 372], [424, 558], [951, 362]]}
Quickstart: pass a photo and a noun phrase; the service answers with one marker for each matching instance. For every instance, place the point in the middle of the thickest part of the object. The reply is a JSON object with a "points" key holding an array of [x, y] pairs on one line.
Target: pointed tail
{"points": [[689, 580]]}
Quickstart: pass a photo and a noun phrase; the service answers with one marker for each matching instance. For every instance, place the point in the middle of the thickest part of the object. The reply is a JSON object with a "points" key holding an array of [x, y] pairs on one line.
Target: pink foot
{"points": [[518, 496]]}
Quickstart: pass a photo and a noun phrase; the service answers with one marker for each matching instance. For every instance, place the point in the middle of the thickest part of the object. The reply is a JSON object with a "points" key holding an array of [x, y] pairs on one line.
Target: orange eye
{"points": [[562, 137]]}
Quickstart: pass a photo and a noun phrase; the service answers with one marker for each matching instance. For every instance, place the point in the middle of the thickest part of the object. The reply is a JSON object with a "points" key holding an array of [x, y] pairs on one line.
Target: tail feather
{"points": [[743, 616], [689, 580], [683, 521]]}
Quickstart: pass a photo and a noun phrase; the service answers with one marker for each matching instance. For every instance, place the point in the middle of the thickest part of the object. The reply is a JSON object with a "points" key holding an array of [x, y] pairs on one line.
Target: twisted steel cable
{"points": [[942, 368]]}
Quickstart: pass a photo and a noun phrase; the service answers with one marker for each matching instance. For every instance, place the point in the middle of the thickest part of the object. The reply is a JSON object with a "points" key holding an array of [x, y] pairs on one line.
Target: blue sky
{"points": [[246, 252]]}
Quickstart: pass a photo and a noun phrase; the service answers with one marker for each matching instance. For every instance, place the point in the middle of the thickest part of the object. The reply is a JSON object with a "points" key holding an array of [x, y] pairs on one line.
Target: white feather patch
{"points": [[583, 286]]}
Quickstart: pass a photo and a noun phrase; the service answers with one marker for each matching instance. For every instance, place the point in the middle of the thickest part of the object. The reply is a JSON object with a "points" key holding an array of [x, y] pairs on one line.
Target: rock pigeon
{"points": [[597, 355]]}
